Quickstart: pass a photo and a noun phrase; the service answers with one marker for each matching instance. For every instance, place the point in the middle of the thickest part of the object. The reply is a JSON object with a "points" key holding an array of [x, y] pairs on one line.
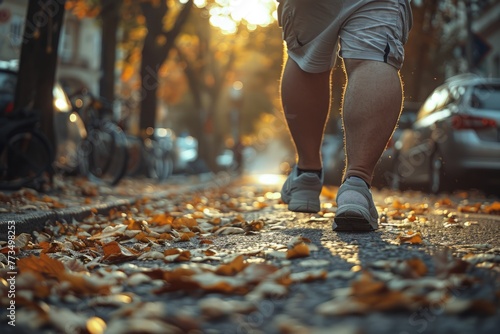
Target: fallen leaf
{"points": [[42, 266], [232, 268], [492, 209], [298, 251], [215, 308], [410, 237], [116, 253], [474, 208], [229, 230], [22, 240], [308, 276], [109, 232]]}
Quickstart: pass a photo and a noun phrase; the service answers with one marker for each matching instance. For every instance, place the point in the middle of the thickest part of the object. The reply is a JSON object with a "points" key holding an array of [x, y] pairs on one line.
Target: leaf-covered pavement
{"points": [[232, 259]]}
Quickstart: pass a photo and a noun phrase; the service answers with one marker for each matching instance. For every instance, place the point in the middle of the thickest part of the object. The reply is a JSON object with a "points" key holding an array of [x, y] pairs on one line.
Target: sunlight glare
{"points": [[270, 179], [227, 14], [200, 3]]}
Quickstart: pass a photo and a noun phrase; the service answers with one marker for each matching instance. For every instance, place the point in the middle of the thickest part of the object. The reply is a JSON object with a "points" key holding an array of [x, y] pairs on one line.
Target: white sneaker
{"points": [[360, 215], [301, 192]]}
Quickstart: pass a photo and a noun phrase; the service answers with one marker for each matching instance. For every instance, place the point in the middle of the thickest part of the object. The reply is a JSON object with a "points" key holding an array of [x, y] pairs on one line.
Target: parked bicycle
{"points": [[26, 154], [151, 156], [102, 154]]}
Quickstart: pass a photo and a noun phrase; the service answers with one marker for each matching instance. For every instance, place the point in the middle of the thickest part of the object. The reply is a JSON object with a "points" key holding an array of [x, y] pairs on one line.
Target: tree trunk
{"points": [[38, 61], [110, 16], [157, 46]]}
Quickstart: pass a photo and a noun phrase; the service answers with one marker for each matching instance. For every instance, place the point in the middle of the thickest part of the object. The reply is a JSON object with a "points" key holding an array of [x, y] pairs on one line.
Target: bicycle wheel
{"points": [[103, 154], [160, 163], [135, 156], [24, 160]]}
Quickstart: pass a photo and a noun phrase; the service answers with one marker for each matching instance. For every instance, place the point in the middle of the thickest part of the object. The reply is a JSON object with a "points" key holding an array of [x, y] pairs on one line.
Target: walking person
{"points": [[369, 36]]}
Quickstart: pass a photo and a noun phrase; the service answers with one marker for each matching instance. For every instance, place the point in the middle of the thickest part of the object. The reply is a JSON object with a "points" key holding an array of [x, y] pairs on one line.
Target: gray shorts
{"points": [[314, 30]]}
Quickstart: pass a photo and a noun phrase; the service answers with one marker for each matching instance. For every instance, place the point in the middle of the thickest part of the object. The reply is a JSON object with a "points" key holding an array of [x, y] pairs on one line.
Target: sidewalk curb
{"points": [[36, 220]]}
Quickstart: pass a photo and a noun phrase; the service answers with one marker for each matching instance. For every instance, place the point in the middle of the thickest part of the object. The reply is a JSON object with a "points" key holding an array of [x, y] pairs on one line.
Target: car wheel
{"points": [[393, 178], [436, 175]]}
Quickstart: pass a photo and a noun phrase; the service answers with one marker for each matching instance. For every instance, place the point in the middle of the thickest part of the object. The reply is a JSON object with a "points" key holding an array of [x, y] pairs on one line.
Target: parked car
{"points": [[186, 152], [455, 141], [333, 154]]}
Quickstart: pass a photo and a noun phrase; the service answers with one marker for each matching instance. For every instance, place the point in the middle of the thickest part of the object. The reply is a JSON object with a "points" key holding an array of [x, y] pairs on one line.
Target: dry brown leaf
{"points": [[298, 251], [152, 255], [229, 230], [474, 208], [297, 240], [309, 276], [172, 251], [186, 236], [184, 222], [417, 268], [135, 225], [444, 202], [446, 264], [116, 253], [109, 232], [162, 219], [410, 237], [492, 209], [329, 192], [377, 296], [22, 240], [43, 266], [255, 225], [232, 268], [397, 204]]}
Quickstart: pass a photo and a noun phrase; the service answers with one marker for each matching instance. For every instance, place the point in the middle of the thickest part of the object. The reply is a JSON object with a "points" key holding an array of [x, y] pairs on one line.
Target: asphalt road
{"points": [[430, 268]]}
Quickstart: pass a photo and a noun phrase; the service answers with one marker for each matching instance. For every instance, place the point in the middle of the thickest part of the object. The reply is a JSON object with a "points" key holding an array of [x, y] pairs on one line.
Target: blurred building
{"points": [[486, 38], [79, 46]]}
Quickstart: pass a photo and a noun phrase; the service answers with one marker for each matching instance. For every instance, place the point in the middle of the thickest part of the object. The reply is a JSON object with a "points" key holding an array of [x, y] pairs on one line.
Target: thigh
{"points": [[310, 31]]}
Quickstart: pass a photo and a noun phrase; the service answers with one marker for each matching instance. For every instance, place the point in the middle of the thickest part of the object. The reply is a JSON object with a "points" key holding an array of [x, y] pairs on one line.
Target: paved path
{"points": [[254, 267]]}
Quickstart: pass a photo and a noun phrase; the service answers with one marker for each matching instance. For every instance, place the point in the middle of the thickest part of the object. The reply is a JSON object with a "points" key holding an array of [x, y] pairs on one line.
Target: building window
{"points": [[16, 30], [67, 44]]}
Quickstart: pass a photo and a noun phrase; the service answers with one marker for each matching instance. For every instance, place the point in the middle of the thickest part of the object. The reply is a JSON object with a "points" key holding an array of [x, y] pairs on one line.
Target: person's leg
{"points": [[306, 103], [372, 105]]}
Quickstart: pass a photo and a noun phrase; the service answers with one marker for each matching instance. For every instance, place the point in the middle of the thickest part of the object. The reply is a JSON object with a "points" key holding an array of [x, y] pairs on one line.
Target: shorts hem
{"points": [[371, 56], [306, 66]]}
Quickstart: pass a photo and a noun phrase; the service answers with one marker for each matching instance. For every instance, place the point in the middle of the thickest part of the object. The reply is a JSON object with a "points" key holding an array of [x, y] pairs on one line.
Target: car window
{"points": [[7, 83], [486, 97]]}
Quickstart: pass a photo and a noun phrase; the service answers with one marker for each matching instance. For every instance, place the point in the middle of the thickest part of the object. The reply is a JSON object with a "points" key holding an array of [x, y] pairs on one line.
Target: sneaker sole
{"points": [[348, 222], [306, 206]]}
